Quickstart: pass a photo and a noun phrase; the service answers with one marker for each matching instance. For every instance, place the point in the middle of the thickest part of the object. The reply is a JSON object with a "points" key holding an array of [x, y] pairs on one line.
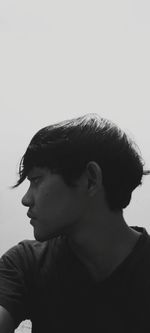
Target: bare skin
{"points": [[103, 240], [101, 253], [99, 237]]}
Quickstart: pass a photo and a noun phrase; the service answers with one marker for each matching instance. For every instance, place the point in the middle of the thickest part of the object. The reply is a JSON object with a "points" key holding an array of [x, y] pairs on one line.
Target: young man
{"points": [[86, 270]]}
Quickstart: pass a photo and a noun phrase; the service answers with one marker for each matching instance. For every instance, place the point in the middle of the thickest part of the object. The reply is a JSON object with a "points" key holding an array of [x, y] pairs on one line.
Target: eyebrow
{"points": [[34, 175]]}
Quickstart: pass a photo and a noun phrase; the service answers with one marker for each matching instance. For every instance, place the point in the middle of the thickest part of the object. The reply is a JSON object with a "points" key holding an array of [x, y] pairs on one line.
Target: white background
{"points": [[61, 59]]}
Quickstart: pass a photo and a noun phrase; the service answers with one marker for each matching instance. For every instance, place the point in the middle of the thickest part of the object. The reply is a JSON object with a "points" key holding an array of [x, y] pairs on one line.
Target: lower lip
{"points": [[32, 221]]}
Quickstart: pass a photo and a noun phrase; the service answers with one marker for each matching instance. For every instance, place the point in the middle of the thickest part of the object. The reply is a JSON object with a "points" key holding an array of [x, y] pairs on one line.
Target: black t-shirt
{"points": [[46, 283]]}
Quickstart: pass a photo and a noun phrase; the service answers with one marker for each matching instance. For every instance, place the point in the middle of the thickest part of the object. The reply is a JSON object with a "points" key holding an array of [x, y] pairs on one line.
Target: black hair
{"points": [[67, 147]]}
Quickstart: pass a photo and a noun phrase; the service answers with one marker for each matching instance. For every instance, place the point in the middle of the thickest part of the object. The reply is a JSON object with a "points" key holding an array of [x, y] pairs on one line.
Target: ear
{"points": [[94, 177]]}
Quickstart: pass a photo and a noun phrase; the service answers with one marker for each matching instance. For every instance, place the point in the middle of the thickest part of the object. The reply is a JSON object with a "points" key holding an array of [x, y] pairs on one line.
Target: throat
{"points": [[104, 263]]}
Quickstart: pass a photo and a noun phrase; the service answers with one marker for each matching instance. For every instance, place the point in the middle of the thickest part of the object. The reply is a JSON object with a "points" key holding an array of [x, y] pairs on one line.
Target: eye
{"points": [[34, 180]]}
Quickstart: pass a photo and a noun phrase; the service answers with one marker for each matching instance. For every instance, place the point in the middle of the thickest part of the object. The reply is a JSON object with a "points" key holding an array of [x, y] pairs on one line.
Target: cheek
{"points": [[62, 204], [52, 199], [59, 201]]}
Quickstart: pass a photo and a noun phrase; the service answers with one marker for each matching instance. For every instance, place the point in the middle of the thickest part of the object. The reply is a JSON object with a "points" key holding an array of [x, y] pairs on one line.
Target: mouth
{"points": [[32, 217]]}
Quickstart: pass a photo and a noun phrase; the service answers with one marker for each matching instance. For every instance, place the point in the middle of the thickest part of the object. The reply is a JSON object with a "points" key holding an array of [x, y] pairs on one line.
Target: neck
{"points": [[102, 245]]}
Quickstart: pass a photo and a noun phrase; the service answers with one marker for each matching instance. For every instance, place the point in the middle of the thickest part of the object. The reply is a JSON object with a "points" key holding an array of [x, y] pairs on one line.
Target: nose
{"points": [[27, 199]]}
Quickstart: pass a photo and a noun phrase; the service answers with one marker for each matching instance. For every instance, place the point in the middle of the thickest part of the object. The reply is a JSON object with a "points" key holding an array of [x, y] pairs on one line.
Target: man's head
{"points": [[66, 148]]}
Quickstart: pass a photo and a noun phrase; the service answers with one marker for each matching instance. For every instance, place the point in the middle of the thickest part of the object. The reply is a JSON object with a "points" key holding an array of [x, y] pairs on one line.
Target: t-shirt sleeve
{"points": [[14, 289]]}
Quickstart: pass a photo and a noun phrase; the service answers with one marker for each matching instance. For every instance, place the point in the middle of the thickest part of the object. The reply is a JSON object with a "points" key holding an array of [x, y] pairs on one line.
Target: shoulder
{"points": [[139, 268], [37, 249], [32, 253], [139, 273], [143, 249]]}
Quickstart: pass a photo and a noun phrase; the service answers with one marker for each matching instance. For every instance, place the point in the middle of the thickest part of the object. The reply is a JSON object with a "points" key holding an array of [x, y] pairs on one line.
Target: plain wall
{"points": [[61, 59]]}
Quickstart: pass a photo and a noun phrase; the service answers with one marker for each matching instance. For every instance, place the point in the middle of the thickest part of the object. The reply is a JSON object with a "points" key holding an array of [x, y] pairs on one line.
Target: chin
{"points": [[42, 238]]}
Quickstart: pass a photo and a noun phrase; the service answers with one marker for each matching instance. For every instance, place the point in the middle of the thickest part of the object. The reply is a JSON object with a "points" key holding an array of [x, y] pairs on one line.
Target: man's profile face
{"points": [[53, 206]]}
